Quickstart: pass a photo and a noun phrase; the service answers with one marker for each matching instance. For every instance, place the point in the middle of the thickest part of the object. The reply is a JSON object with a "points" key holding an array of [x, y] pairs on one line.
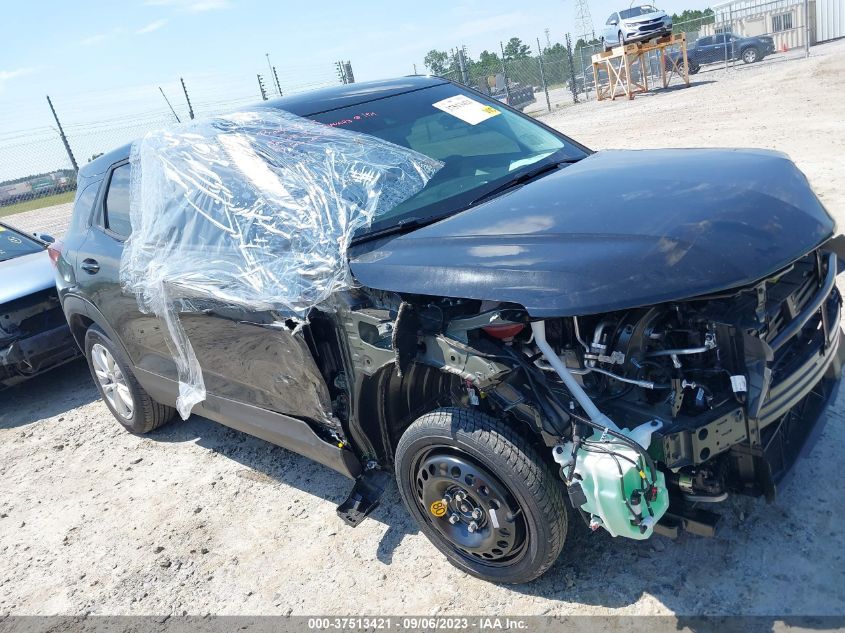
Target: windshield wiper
{"points": [[403, 225], [521, 179]]}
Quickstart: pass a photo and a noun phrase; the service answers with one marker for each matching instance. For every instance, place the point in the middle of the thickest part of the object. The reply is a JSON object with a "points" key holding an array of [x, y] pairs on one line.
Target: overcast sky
{"points": [[103, 60]]}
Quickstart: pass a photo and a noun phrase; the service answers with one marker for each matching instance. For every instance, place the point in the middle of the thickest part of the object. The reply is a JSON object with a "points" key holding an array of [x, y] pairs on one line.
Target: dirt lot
{"points": [[196, 518]]}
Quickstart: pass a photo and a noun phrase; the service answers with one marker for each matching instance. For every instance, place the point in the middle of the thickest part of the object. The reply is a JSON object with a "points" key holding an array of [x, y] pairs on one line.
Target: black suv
{"points": [[536, 326]]}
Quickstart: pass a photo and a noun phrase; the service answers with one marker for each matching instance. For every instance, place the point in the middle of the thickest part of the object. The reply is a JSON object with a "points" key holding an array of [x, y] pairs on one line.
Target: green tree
{"points": [[691, 19], [515, 49], [437, 62]]}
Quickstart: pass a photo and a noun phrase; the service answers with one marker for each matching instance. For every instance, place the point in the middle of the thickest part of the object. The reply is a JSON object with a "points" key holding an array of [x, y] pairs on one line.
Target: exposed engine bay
{"points": [[651, 413]]}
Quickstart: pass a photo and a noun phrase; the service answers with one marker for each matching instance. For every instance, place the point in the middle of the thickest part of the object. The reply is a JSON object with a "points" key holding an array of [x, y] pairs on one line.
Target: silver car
{"points": [[635, 25]]}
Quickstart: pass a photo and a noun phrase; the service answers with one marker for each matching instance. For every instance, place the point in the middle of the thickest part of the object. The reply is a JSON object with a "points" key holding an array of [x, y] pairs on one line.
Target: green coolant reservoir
{"points": [[617, 501]]}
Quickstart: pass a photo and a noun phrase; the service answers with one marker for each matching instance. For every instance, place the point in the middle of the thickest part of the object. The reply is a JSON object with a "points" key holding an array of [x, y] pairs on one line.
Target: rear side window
{"points": [[705, 41], [117, 203]]}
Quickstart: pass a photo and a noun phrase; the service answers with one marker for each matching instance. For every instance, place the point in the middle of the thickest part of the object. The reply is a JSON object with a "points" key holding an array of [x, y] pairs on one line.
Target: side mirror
{"points": [[44, 237], [614, 23]]}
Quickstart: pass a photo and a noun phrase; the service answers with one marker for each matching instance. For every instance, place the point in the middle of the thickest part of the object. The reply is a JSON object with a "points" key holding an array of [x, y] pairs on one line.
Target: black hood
{"points": [[617, 230]]}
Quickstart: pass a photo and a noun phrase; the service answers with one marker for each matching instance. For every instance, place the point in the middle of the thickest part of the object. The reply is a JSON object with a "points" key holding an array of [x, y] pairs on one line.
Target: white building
{"points": [[783, 20]]}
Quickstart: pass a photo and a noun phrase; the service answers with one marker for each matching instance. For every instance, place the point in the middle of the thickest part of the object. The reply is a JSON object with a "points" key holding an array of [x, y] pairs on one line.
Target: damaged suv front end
{"points": [[715, 337], [34, 336]]}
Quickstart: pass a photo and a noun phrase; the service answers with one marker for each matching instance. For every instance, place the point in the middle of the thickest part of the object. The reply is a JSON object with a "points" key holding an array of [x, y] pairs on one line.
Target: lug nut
{"points": [[464, 508], [476, 514], [454, 518], [472, 527]]}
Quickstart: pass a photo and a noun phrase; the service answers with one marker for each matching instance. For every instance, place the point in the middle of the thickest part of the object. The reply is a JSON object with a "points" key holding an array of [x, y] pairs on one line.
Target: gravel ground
{"points": [[196, 518]]}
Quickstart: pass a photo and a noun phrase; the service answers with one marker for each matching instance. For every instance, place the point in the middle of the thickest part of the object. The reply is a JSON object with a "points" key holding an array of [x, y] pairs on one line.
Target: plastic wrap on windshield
{"points": [[254, 210]]}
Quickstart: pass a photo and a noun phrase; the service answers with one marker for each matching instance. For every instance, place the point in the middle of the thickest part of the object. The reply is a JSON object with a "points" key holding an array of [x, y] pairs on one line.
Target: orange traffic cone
{"points": [[784, 48]]}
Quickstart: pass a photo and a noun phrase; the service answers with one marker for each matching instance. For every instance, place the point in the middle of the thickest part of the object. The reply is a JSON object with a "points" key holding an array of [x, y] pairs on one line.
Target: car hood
{"points": [[645, 17], [617, 230], [24, 275]]}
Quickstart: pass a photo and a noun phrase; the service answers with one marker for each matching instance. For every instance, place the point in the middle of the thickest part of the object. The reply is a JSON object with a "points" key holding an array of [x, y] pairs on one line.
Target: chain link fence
{"points": [[38, 170]]}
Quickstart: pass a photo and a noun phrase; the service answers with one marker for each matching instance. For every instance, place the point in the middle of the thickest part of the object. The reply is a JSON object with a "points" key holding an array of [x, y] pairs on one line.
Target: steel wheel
{"points": [[469, 507], [112, 381]]}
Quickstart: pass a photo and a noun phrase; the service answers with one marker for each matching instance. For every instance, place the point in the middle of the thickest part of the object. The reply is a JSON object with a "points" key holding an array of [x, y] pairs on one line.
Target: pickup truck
{"points": [[716, 48]]}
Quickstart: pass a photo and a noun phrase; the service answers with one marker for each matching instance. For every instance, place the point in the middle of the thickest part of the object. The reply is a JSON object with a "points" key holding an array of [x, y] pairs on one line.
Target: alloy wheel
{"points": [[112, 381], [469, 507]]}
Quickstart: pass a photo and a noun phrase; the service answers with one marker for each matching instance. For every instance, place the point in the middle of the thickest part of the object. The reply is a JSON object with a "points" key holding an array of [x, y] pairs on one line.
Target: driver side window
{"points": [[611, 20]]}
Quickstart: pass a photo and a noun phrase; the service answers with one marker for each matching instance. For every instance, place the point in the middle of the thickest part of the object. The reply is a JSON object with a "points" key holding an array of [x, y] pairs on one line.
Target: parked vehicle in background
{"points": [[34, 336], [516, 95], [636, 24], [510, 341], [726, 46]]}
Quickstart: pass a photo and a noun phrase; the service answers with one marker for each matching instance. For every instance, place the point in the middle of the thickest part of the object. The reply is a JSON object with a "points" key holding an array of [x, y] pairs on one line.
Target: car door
{"points": [[247, 356], [703, 50], [720, 48]]}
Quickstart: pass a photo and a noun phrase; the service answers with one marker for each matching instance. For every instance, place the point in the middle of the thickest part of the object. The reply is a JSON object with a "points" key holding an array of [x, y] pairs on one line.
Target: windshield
{"points": [[14, 244], [636, 11], [480, 143]]}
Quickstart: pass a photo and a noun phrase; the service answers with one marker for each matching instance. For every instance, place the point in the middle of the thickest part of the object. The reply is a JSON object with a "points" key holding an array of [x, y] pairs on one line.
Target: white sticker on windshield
{"points": [[466, 109]]}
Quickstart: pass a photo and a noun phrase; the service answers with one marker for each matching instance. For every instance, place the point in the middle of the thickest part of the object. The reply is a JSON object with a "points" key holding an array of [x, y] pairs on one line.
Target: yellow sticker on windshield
{"points": [[466, 109]]}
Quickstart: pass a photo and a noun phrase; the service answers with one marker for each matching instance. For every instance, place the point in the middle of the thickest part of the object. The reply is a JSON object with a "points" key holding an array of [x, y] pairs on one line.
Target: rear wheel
{"points": [[482, 495], [750, 55], [130, 404]]}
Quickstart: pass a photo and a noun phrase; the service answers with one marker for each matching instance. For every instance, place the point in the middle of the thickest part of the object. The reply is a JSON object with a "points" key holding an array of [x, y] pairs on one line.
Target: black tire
{"points": [[490, 452], [693, 68], [146, 414], [750, 55], [620, 38]]}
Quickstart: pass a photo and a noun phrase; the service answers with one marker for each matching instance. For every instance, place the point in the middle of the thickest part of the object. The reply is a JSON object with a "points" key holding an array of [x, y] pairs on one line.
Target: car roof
{"points": [[302, 104]]}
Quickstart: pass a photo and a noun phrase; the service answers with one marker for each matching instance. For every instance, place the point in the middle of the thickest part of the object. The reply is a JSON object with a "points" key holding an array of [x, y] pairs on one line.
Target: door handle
{"points": [[90, 266]]}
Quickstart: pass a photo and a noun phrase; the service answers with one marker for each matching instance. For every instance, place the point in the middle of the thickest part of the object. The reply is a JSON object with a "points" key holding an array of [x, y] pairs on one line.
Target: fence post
{"points": [[62, 134], [571, 69], [584, 74], [543, 75], [505, 74], [807, 27]]}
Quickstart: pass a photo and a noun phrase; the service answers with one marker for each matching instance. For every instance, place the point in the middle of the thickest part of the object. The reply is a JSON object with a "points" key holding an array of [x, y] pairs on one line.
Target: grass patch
{"points": [[37, 203]]}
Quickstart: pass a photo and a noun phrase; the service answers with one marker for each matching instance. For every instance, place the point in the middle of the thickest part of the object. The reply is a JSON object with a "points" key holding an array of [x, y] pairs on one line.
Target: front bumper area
{"points": [[642, 32], [27, 357]]}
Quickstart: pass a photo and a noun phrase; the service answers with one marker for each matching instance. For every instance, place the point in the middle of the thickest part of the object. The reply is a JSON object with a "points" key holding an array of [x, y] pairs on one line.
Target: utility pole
{"points": [[463, 67], [347, 71], [62, 134], [548, 39], [187, 98], [583, 20], [176, 116], [278, 85], [261, 88], [415, 69], [543, 75], [273, 74]]}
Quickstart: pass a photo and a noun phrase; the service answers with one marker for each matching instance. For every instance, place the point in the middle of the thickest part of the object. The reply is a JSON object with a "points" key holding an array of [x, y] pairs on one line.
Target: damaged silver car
{"points": [[409, 277], [34, 336]]}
